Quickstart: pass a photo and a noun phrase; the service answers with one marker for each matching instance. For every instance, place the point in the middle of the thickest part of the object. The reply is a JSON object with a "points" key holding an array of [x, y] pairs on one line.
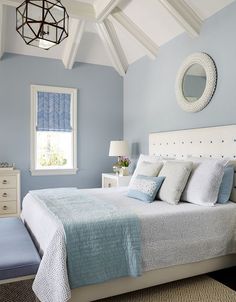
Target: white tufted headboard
{"points": [[203, 142]]}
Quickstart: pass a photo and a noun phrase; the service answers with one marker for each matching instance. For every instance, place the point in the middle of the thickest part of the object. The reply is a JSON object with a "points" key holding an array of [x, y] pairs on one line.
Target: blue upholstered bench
{"points": [[19, 258]]}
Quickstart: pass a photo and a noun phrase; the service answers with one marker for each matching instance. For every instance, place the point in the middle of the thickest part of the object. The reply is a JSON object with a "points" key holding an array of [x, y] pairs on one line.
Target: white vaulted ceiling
{"points": [[101, 34]]}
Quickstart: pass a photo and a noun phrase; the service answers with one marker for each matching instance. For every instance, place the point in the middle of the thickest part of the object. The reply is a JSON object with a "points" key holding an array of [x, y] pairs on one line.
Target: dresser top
{"points": [[9, 172]]}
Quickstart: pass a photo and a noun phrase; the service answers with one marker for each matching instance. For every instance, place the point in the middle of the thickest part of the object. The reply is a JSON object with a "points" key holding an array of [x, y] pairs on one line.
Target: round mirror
{"points": [[196, 82]]}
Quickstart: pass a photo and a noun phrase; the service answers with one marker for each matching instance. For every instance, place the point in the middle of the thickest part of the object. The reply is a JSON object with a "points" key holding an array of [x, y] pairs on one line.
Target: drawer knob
{"points": [[4, 182], [4, 195], [109, 185], [4, 208]]}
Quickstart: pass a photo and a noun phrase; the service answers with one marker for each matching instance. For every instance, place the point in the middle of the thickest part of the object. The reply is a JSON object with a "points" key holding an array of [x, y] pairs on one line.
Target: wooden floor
{"points": [[226, 276]]}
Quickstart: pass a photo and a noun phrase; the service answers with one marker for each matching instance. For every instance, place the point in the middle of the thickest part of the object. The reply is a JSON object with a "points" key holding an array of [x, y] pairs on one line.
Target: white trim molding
{"points": [[209, 67], [33, 145], [184, 15], [53, 172], [147, 43]]}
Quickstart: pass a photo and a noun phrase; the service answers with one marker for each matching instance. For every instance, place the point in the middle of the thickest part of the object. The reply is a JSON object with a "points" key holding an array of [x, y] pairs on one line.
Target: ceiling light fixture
{"points": [[42, 23]]}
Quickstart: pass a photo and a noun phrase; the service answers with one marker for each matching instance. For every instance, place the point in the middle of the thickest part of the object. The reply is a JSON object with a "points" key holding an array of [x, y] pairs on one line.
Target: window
{"points": [[53, 130]]}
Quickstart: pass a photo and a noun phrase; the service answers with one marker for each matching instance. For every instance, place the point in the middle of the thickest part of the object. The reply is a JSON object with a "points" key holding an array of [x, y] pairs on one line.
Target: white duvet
{"points": [[171, 235]]}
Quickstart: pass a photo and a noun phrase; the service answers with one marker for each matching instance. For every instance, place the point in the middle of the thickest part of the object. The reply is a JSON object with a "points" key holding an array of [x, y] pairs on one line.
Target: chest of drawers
{"points": [[9, 193]]}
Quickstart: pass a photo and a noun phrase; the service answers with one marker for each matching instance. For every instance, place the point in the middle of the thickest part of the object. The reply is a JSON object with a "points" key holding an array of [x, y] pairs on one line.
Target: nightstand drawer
{"points": [[8, 207], [7, 182], [7, 194], [109, 182]]}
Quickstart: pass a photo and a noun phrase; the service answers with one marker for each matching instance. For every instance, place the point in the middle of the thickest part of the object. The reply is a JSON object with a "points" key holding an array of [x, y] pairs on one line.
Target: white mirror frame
{"points": [[211, 80]]}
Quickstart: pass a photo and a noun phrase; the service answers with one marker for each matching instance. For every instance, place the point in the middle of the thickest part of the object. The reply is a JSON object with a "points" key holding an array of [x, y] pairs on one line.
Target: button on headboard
{"points": [[209, 142]]}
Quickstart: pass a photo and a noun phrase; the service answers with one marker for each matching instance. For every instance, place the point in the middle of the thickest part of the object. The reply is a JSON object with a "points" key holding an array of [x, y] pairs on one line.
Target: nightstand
{"points": [[9, 193], [111, 180]]}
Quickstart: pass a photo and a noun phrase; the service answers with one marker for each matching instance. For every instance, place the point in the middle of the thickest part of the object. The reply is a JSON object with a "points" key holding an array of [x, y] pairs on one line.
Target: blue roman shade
{"points": [[54, 112]]}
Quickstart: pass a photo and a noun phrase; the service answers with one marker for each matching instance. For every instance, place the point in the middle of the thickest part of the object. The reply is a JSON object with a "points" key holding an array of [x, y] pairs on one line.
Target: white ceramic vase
{"points": [[124, 171]]}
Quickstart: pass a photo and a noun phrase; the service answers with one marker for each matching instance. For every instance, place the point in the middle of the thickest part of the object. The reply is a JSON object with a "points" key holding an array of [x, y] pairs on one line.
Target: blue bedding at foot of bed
{"points": [[103, 242]]}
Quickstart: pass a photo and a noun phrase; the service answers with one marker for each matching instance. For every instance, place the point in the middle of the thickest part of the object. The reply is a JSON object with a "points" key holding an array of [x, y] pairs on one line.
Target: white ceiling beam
{"points": [[148, 44], [184, 15], [2, 29], [103, 8], [79, 10], [13, 3], [75, 9], [73, 42], [111, 42]]}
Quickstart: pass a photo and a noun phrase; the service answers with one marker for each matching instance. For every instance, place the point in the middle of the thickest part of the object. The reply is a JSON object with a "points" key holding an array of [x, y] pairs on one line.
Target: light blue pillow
{"points": [[226, 185], [145, 188]]}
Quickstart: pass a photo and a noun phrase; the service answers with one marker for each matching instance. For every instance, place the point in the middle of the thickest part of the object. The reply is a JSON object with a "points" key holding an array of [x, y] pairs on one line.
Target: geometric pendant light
{"points": [[42, 23]]}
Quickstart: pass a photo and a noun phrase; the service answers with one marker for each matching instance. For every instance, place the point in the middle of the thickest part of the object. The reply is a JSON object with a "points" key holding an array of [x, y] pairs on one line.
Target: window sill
{"points": [[53, 172]]}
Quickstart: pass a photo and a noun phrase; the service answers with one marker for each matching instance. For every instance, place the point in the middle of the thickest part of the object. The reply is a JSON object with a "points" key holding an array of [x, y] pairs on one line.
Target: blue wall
{"points": [[149, 86], [100, 116]]}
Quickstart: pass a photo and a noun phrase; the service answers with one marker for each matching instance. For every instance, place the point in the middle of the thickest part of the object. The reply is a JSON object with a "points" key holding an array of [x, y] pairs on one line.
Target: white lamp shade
{"points": [[119, 148]]}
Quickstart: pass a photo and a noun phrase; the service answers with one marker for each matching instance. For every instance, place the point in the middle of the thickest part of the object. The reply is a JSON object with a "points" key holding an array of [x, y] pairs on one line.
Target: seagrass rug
{"points": [[196, 289]]}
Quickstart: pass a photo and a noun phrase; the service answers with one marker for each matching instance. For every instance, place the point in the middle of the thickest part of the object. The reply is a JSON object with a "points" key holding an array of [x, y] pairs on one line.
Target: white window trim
{"points": [[33, 147]]}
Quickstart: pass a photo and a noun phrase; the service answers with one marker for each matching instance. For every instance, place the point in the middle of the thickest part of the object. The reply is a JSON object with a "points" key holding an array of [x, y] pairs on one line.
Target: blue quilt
{"points": [[103, 242]]}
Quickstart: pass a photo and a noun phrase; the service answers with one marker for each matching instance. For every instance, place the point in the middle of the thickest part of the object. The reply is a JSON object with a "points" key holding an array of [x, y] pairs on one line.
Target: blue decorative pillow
{"points": [[226, 185], [145, 188]]}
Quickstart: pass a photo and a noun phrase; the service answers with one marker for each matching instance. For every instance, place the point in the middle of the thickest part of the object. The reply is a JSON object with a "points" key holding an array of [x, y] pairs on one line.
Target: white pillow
{"points": [[149, 169], [148, 159], [176, 175], [204, 182], [146, 168]]}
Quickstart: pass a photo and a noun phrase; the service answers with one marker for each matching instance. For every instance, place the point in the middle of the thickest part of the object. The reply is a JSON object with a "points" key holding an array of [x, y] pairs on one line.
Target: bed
{"points": [[200, 239]]}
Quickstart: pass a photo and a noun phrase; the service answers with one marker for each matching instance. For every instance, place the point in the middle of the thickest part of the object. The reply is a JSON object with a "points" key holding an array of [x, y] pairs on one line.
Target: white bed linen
{"points": [[171, 235]]}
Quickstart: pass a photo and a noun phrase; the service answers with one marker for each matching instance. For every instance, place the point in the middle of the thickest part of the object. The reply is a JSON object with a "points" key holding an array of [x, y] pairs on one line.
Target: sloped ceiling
{"points": [[150, 16]]}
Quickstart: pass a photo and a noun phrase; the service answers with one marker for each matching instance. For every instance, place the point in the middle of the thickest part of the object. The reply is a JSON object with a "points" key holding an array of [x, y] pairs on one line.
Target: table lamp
{"points": [[119, 149]]}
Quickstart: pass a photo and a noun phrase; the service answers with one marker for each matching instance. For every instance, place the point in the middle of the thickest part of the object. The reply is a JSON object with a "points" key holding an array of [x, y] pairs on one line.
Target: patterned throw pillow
{"points": [[145, 188]]}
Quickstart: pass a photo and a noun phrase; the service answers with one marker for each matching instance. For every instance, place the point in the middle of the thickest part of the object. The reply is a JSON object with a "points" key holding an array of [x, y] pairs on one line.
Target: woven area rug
{"points": [[197, 289]]}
